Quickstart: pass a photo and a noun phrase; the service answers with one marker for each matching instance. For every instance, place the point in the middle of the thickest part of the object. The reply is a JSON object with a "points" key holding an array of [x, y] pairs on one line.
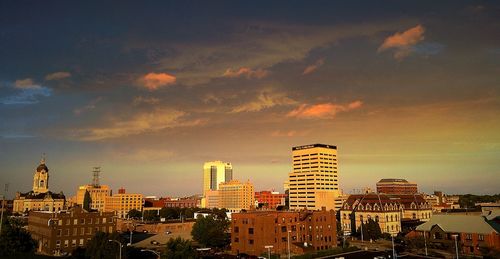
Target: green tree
{"points": [[180, 248], [371, 230], [134, 214], [100, 247], [86, 201], [211, 231], [151, 215], [14, 239]]}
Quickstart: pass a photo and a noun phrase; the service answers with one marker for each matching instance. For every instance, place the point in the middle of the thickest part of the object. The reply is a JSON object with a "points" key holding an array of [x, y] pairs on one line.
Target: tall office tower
{"points": [[314, 181], [214, 173]]}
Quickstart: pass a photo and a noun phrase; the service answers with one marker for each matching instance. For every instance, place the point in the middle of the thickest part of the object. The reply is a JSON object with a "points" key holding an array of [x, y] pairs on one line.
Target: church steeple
{"points": [[41, 177]]}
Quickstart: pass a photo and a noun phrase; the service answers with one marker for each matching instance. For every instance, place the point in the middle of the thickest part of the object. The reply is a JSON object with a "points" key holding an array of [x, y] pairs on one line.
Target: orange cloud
{"points": [[324, 110], [57, 76], [403, 41], [246, 72], [153, 81], [290, 133], [26, 83], [312, 68]]}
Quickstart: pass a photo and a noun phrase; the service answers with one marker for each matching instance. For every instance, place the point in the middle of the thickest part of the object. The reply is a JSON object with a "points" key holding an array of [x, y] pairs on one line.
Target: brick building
{"points": [[306, 231], [269, 199], [396, 186], [473, 233], [63, 232]]}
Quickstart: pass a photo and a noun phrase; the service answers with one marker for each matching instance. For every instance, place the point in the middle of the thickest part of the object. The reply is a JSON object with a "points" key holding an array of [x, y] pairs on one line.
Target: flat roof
{"points": [[313, 146]]}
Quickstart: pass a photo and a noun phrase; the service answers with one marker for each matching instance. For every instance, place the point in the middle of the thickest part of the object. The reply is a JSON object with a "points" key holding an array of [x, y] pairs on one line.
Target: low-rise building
{"points": [[387, 210], [269, 199], [302, 231], [122, 202], [62, 232], [473, 234]]}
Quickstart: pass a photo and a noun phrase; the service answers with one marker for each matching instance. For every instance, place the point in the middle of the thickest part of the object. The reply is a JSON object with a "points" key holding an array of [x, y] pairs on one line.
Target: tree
{"points": [[211, 231], [371, 230], [134, 214], [151, 215], [180, 248], [86, 201], [14, 239], [101, 248]]}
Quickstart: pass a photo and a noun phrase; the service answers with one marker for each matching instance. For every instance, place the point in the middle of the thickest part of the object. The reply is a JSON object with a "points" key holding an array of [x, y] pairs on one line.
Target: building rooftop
{"points": [[459, 224], [390, 180], [313, 146]]}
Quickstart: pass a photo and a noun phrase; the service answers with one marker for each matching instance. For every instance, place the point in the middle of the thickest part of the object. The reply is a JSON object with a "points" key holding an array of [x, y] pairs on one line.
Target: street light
{"points": [[393, 251], [268, 251], [456, 243], [152, 251], [119, 246], [425, 244]]}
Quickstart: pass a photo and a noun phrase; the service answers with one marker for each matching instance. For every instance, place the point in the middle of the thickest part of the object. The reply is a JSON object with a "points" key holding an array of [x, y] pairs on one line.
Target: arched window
{"points": [[392, 219], [396, 217], [386, 218]]}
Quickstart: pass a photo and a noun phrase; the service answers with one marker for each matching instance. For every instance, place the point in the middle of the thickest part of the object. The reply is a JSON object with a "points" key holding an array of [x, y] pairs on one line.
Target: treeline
{"points": [[470, 200]]}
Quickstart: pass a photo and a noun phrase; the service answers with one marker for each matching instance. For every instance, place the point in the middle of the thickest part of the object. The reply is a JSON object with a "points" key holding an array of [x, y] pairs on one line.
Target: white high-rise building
{"points": [[314, 180], [214, 173]]}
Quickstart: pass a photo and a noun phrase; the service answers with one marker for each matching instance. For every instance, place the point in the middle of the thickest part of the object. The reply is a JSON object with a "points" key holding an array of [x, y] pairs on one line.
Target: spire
{"points": [[42, 161]]}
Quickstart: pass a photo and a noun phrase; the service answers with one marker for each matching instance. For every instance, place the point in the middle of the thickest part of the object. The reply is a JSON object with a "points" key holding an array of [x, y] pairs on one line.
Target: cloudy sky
{"points": [[149, 91]]}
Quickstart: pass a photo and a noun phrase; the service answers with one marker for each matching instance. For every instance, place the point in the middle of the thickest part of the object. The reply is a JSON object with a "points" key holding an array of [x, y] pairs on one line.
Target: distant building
{"points": [[305, 230], [63, 232], [214, 173], [396, 186], [473, 233], [388, 210], [98, 192], [210, 200], [236, 196], [187, 202], [40, 198], [440, 201], [269, 199], [123, 202], [314, 181]]}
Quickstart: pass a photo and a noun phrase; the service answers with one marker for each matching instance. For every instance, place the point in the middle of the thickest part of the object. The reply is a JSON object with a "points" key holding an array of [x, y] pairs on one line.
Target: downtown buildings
{"points": [[396, 186], [314, 180]]}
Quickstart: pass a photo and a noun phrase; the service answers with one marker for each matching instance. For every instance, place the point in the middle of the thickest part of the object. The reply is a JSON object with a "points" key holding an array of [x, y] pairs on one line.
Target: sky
{"points": [[150, 90]]}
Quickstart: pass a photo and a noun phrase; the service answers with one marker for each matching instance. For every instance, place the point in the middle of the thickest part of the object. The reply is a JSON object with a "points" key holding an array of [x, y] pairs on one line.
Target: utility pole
{"points": [[3, 206]]}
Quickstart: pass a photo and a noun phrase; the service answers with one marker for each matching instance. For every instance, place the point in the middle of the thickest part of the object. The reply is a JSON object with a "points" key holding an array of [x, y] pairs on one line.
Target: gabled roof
{"points": [[458, 224]]}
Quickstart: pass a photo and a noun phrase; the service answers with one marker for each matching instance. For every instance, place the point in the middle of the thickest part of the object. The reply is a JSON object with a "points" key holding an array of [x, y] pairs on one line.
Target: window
{"points": [[236, 240], [59, 232], [66, 243], [250, 230], [75, 222], [58, 243], [480, 237], [468, 236], [250, 241], [81, 242], [73, 243], [236, 229]]}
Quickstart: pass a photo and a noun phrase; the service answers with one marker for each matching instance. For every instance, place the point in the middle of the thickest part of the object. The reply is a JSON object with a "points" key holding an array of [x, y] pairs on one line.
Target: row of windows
{"points": [[83, 221], [67, 232]]}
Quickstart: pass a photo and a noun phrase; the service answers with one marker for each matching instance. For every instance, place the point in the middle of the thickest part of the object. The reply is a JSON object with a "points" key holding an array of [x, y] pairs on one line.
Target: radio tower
{"points": [[95, 172]]}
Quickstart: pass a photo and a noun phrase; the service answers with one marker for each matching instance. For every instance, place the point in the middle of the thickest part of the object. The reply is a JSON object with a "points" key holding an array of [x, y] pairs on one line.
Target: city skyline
{"points": [[151, 91]]}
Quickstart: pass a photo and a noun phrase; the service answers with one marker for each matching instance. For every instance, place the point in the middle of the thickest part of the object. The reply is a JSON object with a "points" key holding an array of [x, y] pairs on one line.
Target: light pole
{"points": [[268, 251], [361, 219], [456, 243], [288, 239], [152, 251], [425, 244], [393, 251], [3, 206], [119, 245]]}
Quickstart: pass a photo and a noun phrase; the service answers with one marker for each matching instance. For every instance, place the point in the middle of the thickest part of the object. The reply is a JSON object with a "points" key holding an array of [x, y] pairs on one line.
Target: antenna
{"points": [[95, 172]]}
